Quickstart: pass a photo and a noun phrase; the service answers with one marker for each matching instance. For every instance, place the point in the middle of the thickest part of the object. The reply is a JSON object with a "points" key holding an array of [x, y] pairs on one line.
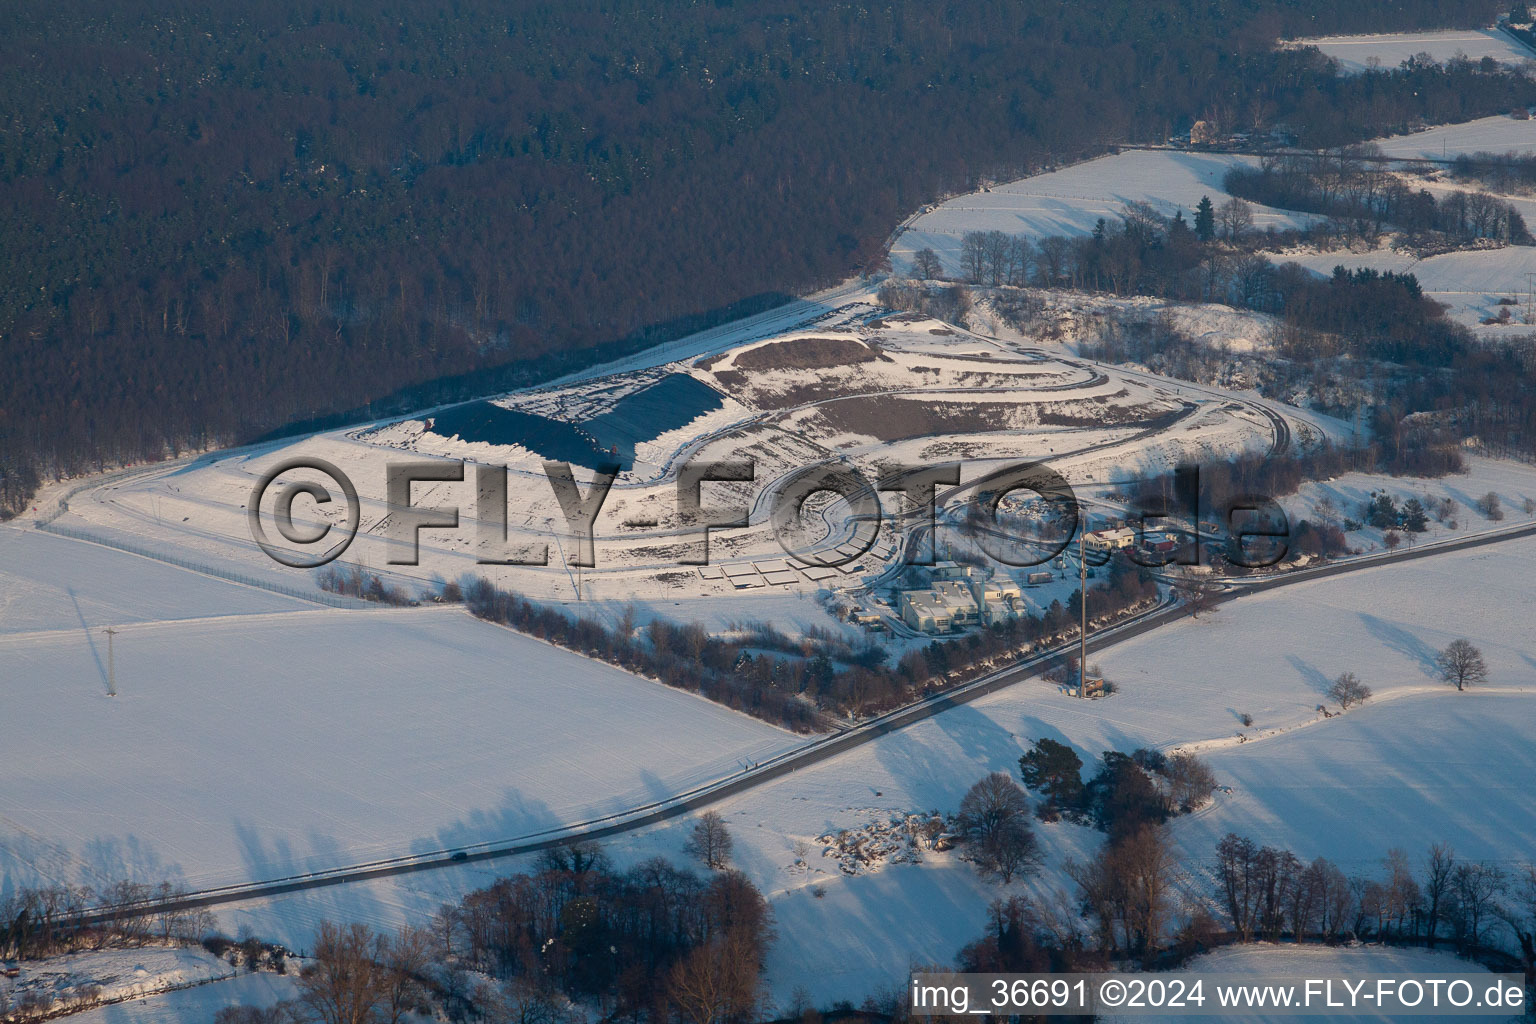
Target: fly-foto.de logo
{"points": [[826, 514]]}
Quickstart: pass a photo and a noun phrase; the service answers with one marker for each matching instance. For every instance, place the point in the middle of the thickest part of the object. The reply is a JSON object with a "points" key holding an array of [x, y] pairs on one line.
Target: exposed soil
{"points": [[807, 354]]}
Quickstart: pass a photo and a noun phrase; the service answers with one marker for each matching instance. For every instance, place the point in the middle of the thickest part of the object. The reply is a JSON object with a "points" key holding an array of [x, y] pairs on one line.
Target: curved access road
{"points": [[822, 749]]}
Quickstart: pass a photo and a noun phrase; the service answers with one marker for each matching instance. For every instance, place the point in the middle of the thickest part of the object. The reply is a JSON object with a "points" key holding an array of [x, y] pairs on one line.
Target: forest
{"points": [[223, 221]]}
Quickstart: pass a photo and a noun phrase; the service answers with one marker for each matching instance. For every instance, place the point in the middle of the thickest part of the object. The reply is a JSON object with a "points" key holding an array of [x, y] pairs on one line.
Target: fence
{"points": [[62, 504], [314, 596]]}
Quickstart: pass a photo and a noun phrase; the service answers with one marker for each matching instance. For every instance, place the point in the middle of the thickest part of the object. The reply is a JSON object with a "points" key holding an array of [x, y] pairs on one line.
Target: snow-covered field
{"points": [[1403, 770], [1357, 53], [256, 736], [1469, 283], [148, 984], [1497, 134], [198, 1005], [1071, 201], [1513, 482], [52, 583], [255, 746], [1263, 962], [1419, 762]]}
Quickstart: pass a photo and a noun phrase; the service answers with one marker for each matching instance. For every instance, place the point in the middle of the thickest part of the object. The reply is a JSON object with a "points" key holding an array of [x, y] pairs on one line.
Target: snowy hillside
{"points": [[1268, 961], [1071, 201], [1418, 762], [248, 747], [1357, 53]]}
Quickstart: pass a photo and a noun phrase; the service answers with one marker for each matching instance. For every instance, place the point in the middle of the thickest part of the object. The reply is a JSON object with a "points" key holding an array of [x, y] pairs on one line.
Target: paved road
{"points": [[818, 751]]}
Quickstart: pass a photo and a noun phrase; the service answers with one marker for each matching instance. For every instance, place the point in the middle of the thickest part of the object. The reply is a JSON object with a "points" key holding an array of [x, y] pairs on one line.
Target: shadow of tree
{"points": [[1401, 641]]}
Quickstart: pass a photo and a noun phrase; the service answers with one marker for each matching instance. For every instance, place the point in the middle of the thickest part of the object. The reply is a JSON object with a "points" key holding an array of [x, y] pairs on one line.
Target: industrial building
{"points": [[959, 599]]}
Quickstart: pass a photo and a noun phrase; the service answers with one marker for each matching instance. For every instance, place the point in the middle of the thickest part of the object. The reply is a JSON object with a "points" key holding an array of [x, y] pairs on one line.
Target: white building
{"points": [[997, 589], [956, 603], [948, 605], [1110, 540]]}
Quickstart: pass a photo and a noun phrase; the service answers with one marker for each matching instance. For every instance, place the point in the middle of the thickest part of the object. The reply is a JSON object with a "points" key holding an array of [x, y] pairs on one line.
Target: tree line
{"points": [[221, 223], [652, 943], [1353, 187], [1269, 893], [797, 688], [44, 921], [1501, 172], [1125, 905]]}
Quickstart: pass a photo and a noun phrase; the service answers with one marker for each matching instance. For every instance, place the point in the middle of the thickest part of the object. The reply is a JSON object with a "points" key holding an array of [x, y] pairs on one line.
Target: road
{"points": [[816, 752]]}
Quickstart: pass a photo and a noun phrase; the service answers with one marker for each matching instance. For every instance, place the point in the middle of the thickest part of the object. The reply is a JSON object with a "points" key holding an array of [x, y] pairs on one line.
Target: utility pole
{"points": [[1082, 606], [111, 668]]}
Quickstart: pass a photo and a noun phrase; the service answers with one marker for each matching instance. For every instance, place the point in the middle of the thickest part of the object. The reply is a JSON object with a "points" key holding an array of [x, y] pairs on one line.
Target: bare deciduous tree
{"points": [[1477, 888], [926, 265], [718, 981], [1334, 898], [1236, 873], [344, 984], [1462, 663], [1439, 873], [1518, 910], [1235, 218], [1194, 596], [1126, 890], [710, 841], [520, 1001], [1190, 781], [1348, 690], [994, 821], [973, 256], [404, 960]]}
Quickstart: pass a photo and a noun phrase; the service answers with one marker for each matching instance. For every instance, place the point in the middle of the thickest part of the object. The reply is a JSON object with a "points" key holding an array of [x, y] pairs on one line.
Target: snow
{"points": [[251, 747], [53, 583], [294, 770], [1264, 962], [1430, 762], [256, 737], [1470, 283], [1497, 134], [782, 420], [1357, 53], [1070, 201], [147, 984], [1513, 482], [196, 1005], [1403, 770]]}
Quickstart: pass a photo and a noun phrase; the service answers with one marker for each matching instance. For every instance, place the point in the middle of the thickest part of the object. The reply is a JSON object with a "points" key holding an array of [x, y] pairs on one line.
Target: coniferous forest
{"points": [[218, 220]]}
